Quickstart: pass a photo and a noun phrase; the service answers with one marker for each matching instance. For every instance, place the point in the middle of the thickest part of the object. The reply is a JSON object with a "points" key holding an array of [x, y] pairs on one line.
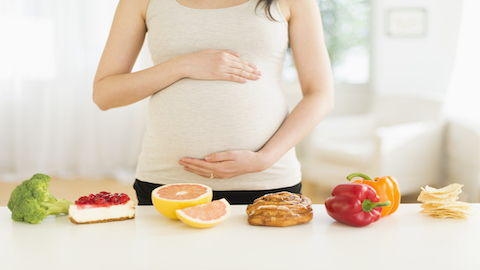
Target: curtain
{"points": [[462, 140], [464, 91], [49, 53]]}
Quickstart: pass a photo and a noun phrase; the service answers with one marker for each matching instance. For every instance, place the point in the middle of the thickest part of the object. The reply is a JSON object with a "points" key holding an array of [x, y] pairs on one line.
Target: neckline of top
{"points": [[210, 9]]}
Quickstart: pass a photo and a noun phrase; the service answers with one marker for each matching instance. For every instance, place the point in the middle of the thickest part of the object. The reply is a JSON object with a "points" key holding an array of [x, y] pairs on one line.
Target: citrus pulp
{"points": [[205, 215], [169, 198]]}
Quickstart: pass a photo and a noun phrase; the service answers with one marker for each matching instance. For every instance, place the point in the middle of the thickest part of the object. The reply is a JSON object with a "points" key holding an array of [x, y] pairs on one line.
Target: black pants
{"points": [[144, 193]]}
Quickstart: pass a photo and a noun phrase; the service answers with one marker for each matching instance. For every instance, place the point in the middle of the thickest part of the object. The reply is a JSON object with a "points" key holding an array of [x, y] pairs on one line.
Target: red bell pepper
{"points": [[355, 204], [386, 187]]}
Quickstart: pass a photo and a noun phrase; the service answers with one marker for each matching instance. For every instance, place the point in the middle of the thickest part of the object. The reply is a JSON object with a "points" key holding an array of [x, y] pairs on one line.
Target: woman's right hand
{"points": [[215, 64]]}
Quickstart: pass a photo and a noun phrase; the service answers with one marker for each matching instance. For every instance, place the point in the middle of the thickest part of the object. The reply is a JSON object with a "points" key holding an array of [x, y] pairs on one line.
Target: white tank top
{"points": [[195, 118]]}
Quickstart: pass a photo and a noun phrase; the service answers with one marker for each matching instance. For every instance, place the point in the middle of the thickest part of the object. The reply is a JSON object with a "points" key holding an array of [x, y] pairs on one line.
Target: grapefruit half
{"points": [[205, 215], [168, 198]]}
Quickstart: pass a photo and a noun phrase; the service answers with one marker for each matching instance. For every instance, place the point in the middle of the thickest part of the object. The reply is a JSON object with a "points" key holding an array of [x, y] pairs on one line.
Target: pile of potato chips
{"points": [[442, 203]]}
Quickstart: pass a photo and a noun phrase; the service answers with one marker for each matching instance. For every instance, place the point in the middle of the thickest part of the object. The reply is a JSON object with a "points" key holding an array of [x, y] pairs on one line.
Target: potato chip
{"points": [[442, 203], [445, 194], [453, 188], [426, 198], [451, 215]]}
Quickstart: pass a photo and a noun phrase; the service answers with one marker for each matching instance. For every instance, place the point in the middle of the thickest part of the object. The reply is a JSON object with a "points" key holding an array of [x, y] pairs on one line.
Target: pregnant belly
{"points": [[196, 118]]}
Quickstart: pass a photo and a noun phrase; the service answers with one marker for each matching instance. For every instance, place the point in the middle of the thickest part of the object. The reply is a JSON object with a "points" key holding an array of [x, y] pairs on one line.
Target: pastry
{"points": [[102, 207], [280, 209]]}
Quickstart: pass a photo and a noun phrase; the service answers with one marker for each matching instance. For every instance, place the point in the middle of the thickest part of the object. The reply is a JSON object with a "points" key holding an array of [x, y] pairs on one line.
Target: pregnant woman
{"points": [[217, 112]]}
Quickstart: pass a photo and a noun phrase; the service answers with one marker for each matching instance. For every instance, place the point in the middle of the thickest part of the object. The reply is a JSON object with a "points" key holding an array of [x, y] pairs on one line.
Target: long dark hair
{"points": [[267, 4]]}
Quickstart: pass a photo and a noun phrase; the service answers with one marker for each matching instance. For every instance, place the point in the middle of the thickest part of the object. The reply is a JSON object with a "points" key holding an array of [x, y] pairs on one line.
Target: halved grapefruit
{"points": [[169, 198], [205, 215]]}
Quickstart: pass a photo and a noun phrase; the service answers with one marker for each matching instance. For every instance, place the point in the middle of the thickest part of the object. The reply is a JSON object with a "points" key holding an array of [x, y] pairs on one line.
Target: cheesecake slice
{"points": [[102, 207]]}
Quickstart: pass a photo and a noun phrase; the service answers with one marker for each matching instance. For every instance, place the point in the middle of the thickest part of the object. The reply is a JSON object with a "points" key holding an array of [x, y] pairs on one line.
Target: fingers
{"points": [[224, 165], [219, 164], [239, 70], [213, 64], [232, 77], [239, 74], [232, 53], [220, 156], [203, 168], [198, 170], [244, 72]]}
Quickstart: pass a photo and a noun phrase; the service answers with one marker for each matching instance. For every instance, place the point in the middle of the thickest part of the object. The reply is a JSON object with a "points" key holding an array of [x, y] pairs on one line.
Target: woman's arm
{"points": [[315, 77], [314, 72], [115, 85]]}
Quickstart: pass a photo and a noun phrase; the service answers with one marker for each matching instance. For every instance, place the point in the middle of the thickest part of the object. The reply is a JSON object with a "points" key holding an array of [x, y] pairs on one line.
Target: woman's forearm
{"points": [[314, 74], [302, 120], [118, 90], [123, 89]]}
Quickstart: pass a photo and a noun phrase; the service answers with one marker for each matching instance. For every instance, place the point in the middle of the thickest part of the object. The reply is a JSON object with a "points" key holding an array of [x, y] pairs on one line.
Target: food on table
{"points": [[355, 204], [280, 209], [102, 207], [442, 203], [205, 215], [32, 202], [386, 187], [168, 198]]}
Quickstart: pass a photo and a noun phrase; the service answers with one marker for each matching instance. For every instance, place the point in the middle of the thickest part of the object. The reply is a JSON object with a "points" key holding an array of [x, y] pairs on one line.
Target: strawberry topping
{"points": [[103, 199]]}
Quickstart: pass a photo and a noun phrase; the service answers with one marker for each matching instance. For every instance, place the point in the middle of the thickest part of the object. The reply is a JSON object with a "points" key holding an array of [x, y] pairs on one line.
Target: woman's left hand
{"points": [[225, 165]]}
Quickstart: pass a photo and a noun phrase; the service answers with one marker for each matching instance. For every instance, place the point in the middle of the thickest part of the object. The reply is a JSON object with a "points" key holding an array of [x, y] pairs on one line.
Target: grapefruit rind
{"points": [[198, 223], [167, 207]]}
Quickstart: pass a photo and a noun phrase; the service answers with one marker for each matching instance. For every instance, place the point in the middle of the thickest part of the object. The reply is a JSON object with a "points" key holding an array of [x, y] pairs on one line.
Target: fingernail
{"points": [[208, 158], [255, 76]]}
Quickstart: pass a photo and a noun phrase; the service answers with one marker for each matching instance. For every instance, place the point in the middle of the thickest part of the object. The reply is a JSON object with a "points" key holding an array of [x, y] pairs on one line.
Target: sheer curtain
{"points": [[462, 142], [463, 96], [49, 53]]}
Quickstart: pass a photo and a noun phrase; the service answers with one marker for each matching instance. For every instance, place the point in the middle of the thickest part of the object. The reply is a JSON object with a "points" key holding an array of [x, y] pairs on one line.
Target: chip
{"points": [[443, 202]]}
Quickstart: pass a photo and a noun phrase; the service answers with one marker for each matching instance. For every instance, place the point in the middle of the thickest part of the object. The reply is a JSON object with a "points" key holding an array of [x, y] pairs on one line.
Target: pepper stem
{"points": [[364, 176], [368, 205]]}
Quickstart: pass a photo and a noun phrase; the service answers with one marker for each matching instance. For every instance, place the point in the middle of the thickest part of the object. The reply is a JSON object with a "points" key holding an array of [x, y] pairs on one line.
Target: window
{"points": [[346, 25]]}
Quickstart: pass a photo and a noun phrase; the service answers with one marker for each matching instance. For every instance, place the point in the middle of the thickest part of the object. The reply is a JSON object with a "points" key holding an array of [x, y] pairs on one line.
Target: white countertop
{"points": [[404, 240]]}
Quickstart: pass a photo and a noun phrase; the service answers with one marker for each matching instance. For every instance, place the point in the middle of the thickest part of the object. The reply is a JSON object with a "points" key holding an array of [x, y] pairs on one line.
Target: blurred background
{"points": [[406, 93]]}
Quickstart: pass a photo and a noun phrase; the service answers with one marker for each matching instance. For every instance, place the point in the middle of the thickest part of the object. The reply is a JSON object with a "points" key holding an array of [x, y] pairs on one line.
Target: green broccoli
{"points": [[32, 202]]}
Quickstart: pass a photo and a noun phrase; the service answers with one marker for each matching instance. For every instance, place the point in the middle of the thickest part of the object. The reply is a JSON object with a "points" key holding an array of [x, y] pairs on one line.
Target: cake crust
{"points": [[101, 221]]}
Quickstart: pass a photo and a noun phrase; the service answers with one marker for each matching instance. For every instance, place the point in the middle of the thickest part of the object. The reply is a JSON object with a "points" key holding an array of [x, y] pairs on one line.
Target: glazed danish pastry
{"points": [[280, 209]]}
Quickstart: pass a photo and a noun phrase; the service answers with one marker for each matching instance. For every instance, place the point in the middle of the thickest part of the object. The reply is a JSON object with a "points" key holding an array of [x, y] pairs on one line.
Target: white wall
{"points": [[414, 64], [408, 64]]}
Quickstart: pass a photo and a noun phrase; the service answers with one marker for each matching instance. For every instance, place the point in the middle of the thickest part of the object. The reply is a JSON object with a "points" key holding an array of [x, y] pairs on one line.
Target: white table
{"points": [[404, 240]]}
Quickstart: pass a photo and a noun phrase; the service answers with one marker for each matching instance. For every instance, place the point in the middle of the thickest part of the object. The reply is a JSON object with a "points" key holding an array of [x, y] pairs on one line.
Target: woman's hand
{"points": [[225, 165], [214, 64]]}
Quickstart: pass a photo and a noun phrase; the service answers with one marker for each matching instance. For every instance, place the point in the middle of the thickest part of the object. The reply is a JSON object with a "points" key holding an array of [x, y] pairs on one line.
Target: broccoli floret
{"points": [[32, 202]]}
